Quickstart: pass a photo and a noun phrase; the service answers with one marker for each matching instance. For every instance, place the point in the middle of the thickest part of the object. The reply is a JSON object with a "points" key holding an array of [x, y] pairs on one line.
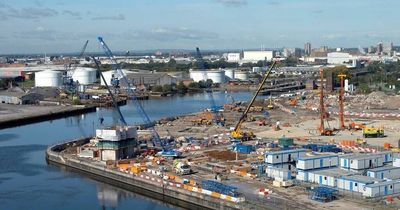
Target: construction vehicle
{"points": [[166, 151], [181, 167], [237, 133], [293, 101], [373, 132], [214, 109], [270, 105], [356, 126], [361, 141], [323, 114]]}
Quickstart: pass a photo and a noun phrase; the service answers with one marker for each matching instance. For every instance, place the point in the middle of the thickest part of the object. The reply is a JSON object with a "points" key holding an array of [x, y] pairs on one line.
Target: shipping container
{"points": [[355, 183]]}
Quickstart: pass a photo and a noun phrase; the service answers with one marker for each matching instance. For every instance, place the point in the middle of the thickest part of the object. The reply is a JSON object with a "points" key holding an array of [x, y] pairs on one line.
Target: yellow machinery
{"points": [[270, 105], [237, 133], [373, 132]]}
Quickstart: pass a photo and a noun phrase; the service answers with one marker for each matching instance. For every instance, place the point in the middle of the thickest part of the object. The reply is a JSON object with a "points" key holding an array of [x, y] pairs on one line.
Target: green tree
{"points": [[181, 88], [167, 88], [194, 85], [157, 88]]}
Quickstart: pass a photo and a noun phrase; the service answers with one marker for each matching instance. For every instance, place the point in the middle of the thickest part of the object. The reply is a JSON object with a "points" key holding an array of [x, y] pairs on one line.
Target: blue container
{"points": [[219, 187], [245, 149]]}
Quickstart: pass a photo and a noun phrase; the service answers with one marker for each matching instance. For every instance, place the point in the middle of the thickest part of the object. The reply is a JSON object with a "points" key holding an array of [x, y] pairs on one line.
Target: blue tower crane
{"points": [[131, 95], [214, 108]]}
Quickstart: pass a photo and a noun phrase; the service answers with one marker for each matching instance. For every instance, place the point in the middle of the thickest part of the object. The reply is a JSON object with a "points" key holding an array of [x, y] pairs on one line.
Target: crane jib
{"points": [[237, 127]]}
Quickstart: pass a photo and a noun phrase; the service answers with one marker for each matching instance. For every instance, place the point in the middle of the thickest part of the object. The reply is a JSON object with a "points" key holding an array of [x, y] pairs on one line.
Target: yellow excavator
{"points": [[237, 134]]}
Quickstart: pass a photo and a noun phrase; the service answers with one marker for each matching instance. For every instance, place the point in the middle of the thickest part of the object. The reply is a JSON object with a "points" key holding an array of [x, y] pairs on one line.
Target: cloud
{"points": [[232, 3], [318, 11], [42, 33], [8, 12], [71, 13], [118, 17], [171, 34]]}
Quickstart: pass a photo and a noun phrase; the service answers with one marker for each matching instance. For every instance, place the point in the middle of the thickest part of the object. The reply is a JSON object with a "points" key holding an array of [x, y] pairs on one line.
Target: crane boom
{"points": [[130, 92], [236, 132], [121, 117], [71, 72]]}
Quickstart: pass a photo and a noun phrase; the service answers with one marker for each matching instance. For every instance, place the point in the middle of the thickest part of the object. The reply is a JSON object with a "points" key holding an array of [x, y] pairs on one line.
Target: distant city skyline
{"points": [[60, 26]]}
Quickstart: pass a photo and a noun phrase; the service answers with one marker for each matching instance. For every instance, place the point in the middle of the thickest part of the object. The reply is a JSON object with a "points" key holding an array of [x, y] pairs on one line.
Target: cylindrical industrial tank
{"points": [[48, 78], [217, 76], [85, 76], [230, 73], [107, 76], [242, 75]]}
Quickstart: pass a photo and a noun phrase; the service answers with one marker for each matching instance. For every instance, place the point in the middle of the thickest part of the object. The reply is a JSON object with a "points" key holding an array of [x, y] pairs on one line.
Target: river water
{"points": [[28, 182]]}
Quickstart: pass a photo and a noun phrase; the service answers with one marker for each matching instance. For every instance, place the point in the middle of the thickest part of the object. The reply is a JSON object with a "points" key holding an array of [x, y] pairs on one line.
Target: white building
{"points": [[383, 172], [117, 142], [381, 189], [284, 156], [317, 161], [233, 57], [278, 173], [363, 161], [326, 177], [355, 183], [339, 57], [255, 56]]}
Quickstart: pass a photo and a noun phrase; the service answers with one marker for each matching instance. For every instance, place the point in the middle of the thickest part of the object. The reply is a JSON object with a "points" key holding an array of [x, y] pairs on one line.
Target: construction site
{"points": [[308, 150]]}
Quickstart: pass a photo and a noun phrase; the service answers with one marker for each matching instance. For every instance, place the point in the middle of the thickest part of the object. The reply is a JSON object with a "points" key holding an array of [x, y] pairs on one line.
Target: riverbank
{"points": [[161, 189], [17, 115]]}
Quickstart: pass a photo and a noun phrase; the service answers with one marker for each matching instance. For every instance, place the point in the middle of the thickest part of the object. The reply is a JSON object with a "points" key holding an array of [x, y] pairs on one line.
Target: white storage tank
{"points": [[230, 73], [107, 76], [85, 76], [242, 75], [48, 78], [217, 76]]}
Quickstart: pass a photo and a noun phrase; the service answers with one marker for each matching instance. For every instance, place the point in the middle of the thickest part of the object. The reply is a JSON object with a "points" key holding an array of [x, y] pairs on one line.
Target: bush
{"points": [[157, 88]]}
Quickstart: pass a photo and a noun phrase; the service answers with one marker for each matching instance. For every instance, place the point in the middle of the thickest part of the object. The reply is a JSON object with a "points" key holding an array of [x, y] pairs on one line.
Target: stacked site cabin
{"points": [[381, 189], [383, 172], [386, 155], [326, 177], [284, 156], [355, 183], [318, 161], [362, 161], [278, 173]]}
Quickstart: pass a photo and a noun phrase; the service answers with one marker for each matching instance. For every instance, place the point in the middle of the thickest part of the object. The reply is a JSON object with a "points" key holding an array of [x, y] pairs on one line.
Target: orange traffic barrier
{"points": [[386, 145]]}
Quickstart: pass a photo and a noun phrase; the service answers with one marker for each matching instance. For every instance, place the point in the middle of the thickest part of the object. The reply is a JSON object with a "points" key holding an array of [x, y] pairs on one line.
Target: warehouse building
{"points": [[255, 56], [151, 79], [17, 96]]}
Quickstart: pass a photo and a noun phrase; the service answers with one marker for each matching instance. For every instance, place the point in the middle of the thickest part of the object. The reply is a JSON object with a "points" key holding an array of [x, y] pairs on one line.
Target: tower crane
{"points": [[130, 93], [214, 108], [237, 133]]}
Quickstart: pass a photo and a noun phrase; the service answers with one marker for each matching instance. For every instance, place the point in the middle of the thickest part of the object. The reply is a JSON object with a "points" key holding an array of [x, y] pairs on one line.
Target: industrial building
{"points": [[117, 143], [233, 57], [151, 79], [17, 96], [255, 56]]}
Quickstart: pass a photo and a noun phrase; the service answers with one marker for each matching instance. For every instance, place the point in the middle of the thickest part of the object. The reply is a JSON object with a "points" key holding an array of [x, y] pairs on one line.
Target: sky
{"points": [[61, 26]]}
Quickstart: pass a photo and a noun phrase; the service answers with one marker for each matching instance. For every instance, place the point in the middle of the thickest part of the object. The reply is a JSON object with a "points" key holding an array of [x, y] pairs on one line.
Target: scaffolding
{"points": [[323, 194]]}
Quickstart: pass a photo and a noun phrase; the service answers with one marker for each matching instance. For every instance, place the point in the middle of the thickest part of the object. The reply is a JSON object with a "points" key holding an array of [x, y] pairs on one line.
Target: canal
{"points": [[28, 182]]}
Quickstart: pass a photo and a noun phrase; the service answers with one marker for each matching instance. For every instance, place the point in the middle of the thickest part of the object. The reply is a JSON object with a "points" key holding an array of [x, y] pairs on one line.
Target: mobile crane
{"points": [[237, 134], [166, 151]]}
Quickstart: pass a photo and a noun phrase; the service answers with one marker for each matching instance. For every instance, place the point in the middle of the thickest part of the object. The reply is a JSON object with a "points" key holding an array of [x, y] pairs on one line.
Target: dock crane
{"points": [[214, 108], [237, 133], [166, 152], [69, 84], [323, 115]]}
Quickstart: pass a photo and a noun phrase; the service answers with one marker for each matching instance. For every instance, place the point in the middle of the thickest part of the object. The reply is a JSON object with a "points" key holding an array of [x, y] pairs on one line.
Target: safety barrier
{"points": [[162, 179], [244, 174], [359, 149]]}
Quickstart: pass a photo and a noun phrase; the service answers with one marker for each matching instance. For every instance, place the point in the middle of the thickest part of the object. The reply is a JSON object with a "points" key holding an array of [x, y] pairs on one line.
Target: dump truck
{"points": [[373, 132]]}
